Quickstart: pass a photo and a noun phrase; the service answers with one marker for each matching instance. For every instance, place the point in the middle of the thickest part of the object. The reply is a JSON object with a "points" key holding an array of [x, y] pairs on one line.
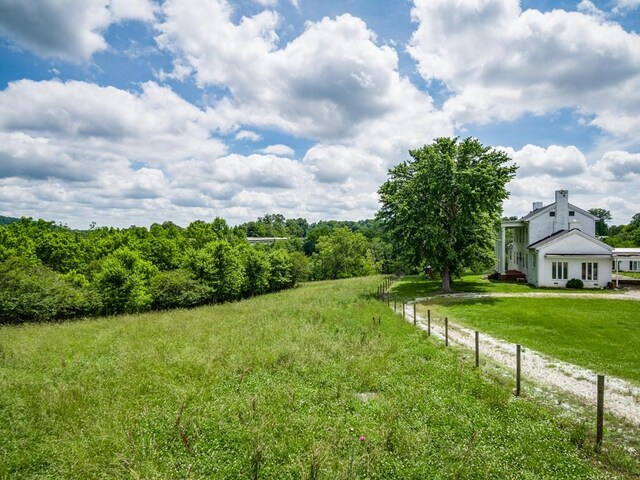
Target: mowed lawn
{"points": [[415, 286], [600, 334], [298, 384]]}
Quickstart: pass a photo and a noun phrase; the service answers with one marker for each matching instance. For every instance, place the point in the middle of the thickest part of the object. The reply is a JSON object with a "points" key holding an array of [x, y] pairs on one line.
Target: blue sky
{"points": [[138, 111]]}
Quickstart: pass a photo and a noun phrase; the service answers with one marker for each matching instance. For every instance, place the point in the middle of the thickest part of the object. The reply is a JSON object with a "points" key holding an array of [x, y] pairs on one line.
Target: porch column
{"points": [[502, 250]]}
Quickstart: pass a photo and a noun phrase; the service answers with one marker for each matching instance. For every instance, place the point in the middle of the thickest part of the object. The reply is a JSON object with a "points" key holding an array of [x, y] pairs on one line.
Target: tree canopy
{"points": [[602, 228], [49, 271], [625, 235], [442, 207]]}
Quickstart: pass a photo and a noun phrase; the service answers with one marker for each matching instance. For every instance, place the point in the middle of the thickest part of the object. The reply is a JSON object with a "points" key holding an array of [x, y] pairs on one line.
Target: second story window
{"points": [[552, 214], [572, 213]]}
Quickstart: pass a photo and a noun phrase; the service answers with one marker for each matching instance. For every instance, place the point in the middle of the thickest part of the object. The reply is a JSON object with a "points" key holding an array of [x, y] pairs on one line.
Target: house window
{"points": [[572, 213], [559, 270], [634, 266], [533, 260], [589, 271], [552, 214]]}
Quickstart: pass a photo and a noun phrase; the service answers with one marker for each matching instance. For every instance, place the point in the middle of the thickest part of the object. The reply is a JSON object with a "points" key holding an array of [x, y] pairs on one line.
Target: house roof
{"points": [[547, 239], [539, 211], [627, 253], [566, 233]]}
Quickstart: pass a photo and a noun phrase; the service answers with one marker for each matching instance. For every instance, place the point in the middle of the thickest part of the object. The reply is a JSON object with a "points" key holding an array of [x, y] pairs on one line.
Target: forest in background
{"points": [[49, 271]]}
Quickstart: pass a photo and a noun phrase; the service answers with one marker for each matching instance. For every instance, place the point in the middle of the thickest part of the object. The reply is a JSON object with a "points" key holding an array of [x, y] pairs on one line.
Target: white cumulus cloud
{"points": [[72, 30], [500, 61]]}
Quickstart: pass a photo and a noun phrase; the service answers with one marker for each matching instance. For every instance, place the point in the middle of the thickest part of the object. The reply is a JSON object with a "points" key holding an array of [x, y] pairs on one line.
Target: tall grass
{"points": [[298, 384]]}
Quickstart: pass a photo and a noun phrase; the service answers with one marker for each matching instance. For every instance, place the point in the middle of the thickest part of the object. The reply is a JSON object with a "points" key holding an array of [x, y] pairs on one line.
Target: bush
{"points": [[30, 291], [300, 267], [177, 288], [123, 282], [219, 266], [575, 283], [280, 275], [257, 272]]}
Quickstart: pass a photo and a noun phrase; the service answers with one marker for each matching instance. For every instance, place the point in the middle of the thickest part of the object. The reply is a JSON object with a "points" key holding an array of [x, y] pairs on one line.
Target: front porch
{"points": [[512, 276], [501, 247]]}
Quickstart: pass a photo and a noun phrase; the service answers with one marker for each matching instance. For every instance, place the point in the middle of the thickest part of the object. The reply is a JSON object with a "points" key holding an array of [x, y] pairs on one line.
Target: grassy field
{"points": [[298, 384], [600, 334]]}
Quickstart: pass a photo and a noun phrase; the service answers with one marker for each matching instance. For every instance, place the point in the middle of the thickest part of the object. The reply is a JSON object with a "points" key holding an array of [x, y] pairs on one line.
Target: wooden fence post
{"points": [[446, 332], [428, 323], [600, 413], [477, 349], [403, 310], [415, 319], [518, 368]]}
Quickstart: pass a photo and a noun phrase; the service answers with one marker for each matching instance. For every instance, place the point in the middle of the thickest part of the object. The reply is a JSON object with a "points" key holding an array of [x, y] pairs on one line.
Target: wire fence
{"points": [[623, 398]]}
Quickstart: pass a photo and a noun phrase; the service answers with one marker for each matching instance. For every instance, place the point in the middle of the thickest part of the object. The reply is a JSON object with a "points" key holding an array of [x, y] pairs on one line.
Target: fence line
{"points": [[496, 349]]}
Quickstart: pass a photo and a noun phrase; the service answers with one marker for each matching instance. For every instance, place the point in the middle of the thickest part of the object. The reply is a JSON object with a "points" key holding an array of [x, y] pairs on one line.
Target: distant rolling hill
{"points": [[7, 220]]}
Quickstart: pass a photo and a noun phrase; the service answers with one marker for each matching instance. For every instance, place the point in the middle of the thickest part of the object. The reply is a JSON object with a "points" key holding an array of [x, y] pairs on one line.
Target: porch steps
{"points": [[513, 276]]}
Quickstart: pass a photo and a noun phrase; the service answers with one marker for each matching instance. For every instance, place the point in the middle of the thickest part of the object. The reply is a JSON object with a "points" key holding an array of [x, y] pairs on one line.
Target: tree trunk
{"points": [[446, 279]]}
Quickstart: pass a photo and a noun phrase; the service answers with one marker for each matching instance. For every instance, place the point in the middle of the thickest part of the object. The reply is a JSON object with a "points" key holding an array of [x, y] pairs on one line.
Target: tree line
{"points": [[49, 271], [622, 236]]}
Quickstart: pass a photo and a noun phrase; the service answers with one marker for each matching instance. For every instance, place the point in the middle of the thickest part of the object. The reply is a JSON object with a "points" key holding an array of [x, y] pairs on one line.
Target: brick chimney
{"points": [[561, 220]]}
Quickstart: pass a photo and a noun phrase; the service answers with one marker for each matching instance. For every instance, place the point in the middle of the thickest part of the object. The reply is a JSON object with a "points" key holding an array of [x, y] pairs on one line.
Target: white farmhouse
{"points": [[553, 244]]}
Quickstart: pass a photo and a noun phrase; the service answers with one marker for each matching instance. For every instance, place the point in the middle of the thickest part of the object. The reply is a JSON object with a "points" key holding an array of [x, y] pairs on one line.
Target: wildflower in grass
{"points": [[362, 438]]}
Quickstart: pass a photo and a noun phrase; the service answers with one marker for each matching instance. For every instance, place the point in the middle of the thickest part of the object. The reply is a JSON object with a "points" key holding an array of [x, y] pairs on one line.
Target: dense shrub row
{"points": [[50, 272]]}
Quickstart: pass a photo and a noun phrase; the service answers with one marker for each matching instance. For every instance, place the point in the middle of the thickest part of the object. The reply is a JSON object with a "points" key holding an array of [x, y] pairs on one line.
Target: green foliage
{"points": [[442, 207], [342, 254], [280, 273], [218, 266], [177, 288], [32, 291], [92, 261], [123, 282], [58, 250], [257, 272], [300, 267], [575, 283], [7, 220], [625, 235], [602, 228], [164, 252]]}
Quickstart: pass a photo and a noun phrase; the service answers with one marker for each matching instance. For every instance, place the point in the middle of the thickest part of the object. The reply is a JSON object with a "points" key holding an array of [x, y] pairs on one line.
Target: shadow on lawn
{"points": [[417, 286]]}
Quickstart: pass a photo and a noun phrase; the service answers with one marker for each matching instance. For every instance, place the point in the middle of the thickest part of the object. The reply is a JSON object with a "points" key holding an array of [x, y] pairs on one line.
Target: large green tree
{"points": [[442, 207], [602, 228]]}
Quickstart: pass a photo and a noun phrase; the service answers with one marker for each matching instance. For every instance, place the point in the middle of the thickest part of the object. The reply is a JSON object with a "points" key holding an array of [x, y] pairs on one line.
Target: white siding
{"points": [[629, 265], [540, 227], [579, 250], [588, 224], [575, 244], [544, 225]]}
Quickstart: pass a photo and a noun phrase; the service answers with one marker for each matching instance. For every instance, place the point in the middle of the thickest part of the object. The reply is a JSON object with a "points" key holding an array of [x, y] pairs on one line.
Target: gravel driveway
{"points": [[622, 399]]}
